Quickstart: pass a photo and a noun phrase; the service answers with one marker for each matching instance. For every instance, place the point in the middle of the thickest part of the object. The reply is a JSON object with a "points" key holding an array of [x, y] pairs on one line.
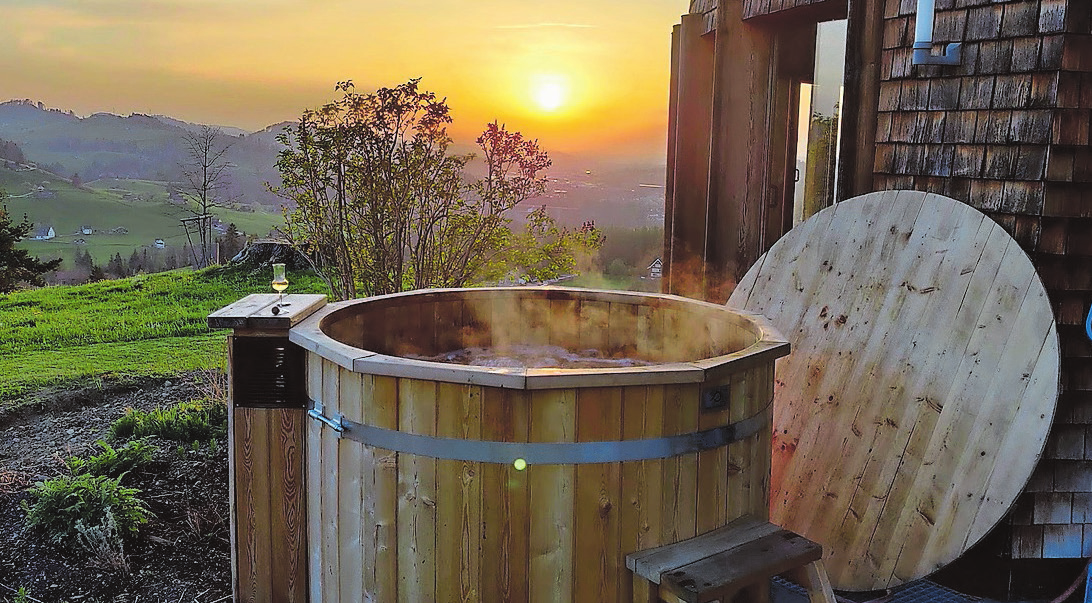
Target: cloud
{"points": [[547, 25]]}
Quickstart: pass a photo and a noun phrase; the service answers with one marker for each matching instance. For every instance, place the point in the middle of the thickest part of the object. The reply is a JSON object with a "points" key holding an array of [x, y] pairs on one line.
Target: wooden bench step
{"points": [[742, 555], [652, 563], [761, 559]]}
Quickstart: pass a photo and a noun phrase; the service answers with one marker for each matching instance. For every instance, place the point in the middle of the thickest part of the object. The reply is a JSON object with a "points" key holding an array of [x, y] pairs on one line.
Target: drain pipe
{"points": [[923, 39], [266, 404]]}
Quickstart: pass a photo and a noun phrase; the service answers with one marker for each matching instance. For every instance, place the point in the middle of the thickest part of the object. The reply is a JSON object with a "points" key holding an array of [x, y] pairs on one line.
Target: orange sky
{"points": [[580, 75]]}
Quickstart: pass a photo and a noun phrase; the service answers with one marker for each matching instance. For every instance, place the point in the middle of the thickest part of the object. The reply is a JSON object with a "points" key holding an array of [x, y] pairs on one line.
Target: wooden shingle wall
{"points": [[765, 8], [1008, 131], [708, 11]]}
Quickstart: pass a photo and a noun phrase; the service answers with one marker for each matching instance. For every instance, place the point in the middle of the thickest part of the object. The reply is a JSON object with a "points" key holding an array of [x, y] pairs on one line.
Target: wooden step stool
{"points": [[733, 563]]}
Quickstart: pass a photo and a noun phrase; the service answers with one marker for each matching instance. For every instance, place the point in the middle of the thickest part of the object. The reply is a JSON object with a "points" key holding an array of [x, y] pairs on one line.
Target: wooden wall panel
{"points": [[417, 500], [741, 149], [254, 538], [690, 166], [349, 471], [505, 546], [641, 514], [313, 453], [328, 487], [459, 513], [598, 499], [287, 506], [553, 419]]}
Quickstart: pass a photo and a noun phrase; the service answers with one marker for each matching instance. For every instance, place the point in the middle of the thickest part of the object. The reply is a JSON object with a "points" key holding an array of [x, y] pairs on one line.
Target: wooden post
{"points": [[267, 398], [689, 158]]}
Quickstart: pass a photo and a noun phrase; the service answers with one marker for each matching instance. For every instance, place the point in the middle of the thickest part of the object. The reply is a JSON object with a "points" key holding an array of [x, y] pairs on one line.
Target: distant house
{"points": [[656, 268], [86, 230], [79, 242], [159, 244], [44, 233]]}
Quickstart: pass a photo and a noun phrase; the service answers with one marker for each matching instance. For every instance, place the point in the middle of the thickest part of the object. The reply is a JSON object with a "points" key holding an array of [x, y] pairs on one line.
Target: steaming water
{"points": [[531, 356]]}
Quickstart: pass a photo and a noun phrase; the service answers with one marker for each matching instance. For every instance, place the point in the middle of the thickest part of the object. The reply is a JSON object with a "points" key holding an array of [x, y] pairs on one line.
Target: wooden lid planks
{"points": [[921, 387]]}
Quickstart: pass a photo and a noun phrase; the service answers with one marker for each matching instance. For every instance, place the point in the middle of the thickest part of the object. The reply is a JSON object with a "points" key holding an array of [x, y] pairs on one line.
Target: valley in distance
{"points": [[111, 185]]}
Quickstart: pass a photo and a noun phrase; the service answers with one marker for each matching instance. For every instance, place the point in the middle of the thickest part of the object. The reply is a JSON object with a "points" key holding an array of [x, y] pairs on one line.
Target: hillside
{"points": [[125, 215], [133, 147], [138, 157]]}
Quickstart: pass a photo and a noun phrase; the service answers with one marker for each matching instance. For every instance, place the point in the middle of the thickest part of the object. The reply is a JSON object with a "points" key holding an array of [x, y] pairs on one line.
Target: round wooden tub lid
{"points": [[921, 386]]}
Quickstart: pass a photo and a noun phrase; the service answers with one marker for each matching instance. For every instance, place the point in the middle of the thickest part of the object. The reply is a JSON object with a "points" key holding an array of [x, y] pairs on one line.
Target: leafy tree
{"points": [[17, 265], [205, 172], [380, 204], [543, 250]]}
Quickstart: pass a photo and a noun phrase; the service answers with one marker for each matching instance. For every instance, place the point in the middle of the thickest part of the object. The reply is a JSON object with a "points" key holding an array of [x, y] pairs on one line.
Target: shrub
{"points": [[113, 462], [65, 503], [199, 420], [104, 543]]}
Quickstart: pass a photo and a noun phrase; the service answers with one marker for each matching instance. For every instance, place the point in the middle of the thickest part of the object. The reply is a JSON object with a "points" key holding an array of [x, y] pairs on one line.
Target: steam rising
{"points": [[531, 356], [541, 327]]}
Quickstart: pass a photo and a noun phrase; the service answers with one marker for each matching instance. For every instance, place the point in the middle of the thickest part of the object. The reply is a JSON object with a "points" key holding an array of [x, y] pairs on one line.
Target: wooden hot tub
{"points": [[429, 481]]}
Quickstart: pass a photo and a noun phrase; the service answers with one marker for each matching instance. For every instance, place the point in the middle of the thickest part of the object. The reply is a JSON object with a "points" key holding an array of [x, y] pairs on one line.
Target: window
{"points": [[819, 119]]}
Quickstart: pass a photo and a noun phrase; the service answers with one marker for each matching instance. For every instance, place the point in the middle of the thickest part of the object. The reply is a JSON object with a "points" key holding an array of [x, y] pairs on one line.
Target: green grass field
{"points": [[138, 206], [135, 327], [621, 283]]}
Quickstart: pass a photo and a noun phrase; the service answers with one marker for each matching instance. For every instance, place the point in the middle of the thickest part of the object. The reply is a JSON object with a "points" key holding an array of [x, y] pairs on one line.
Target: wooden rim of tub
{"points": [[764, 341]]}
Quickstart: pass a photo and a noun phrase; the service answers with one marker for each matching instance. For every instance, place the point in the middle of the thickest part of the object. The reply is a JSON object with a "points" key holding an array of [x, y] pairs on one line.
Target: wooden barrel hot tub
{"points": [[414, 484]]}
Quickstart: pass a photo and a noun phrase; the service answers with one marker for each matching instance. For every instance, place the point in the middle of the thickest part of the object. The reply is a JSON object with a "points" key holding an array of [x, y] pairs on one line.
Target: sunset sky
{"points": [[581, 75]]}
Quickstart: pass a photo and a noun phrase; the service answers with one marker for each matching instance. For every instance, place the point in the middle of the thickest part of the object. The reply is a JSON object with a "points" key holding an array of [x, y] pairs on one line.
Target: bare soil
{"points": [[182, 554]]}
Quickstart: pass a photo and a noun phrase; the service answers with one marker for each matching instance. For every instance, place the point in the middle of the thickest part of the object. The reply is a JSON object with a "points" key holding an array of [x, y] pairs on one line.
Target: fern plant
{"points": [[199, 420], [113, 462], [62, 504]]}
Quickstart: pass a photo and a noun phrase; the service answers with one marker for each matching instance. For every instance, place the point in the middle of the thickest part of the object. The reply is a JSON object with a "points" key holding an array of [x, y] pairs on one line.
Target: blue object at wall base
{"points": [[1088, 574]]}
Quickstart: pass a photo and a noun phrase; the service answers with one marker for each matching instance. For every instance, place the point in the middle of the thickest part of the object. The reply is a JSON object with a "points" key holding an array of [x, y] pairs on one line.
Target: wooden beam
{"points": [[861, 101], [689, 161], [740, 151]]}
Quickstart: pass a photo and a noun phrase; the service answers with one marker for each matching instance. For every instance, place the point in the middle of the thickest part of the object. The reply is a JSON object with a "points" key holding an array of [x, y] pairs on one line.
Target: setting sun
{"points": [[549, 92]]}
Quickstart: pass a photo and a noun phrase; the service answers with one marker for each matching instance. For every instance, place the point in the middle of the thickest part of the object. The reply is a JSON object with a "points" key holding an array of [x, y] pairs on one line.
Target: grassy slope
{"points": [[140, 326], [71, 207], [102, 207], [260, 220]]}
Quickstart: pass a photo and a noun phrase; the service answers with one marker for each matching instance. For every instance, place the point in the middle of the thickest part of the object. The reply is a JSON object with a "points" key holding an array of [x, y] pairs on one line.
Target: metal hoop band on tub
{"points": [[543, 453]]}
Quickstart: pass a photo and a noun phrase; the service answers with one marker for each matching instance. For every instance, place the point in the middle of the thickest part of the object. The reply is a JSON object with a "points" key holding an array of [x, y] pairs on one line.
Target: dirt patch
{"points": [[182, 554]]}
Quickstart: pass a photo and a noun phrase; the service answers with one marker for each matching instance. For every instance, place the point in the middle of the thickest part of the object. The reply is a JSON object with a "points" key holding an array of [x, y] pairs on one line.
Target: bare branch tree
{"points": [[205, 175]]}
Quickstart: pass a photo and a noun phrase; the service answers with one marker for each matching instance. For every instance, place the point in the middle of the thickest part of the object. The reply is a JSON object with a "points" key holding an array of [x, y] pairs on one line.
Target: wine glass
{"points": [[280, 282]]}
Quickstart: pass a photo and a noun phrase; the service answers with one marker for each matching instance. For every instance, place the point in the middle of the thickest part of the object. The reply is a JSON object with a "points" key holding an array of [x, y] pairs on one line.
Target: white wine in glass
{"points": [[280, 281]]}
